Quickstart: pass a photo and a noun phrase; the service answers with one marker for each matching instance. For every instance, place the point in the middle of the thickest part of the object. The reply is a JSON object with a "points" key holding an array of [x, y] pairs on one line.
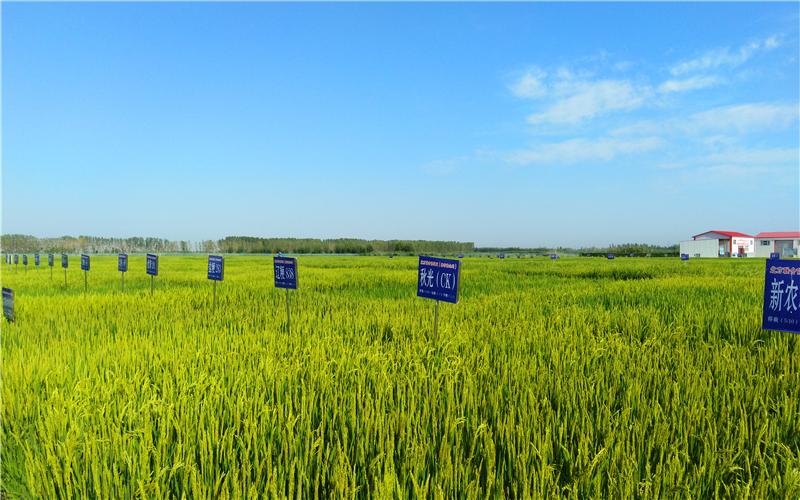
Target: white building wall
{"points": [[700, 248], [763, 250]]}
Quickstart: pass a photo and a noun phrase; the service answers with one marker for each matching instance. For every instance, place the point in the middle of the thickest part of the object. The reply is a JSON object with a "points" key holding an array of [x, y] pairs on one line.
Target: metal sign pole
{"points": [[288, 314], [123, 281], [215, 293], [86, 281], [436, 323], [65, 277], [151, 284]]}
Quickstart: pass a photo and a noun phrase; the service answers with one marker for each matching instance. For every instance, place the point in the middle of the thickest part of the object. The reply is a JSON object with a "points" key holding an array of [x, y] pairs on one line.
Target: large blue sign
{"points": [[8, 303], [122, 263], [684, 256], [24, 260], [152, 264], [216, 267], [50, 260], [285, 272], [84, 262], [36, 259], [781, 297], [64, 260], [438, 279]]}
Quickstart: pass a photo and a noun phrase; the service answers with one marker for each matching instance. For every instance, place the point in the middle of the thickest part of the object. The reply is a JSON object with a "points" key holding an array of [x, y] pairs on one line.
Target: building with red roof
{"points": [[785, 243], [718, 243]]}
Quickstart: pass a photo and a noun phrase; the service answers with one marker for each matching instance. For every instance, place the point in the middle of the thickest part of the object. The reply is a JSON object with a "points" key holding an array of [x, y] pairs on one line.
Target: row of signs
{"points": [[439, 279]]}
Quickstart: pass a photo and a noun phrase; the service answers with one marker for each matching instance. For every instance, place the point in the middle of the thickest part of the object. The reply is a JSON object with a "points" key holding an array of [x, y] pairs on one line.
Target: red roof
{"points": [[779, 234], [732, 234]]}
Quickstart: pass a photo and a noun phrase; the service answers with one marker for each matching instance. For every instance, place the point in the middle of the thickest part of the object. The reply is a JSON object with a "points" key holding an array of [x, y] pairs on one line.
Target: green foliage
{"points": [[578, 377]]}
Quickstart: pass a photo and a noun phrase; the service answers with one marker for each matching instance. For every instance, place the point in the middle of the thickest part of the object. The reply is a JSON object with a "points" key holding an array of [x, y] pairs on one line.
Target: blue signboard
{"points": [[152, 264], [684, 256], [461, 256], [438, 279], [24, 260], [501, 256], [36, 259], [84, 262], [64, 261], [216, 267], [122, 263], [781, 297], [610, 256], [553, 256], [285, 272], [8, 303], [774, 255], [50, 260], [16, 259]]}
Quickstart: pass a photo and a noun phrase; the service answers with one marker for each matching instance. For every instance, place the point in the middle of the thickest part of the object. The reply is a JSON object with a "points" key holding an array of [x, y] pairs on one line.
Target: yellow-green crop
{"points": [[579, 377]]}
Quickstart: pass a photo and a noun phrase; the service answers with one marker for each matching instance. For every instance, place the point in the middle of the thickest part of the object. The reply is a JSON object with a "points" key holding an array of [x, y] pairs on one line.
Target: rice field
{"points": [[578, 377]]}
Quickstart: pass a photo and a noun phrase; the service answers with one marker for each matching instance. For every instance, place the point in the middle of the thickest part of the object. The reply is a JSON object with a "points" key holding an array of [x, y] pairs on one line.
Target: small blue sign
{"points": [[216, 267], [50, 260], [16, 259], [553, 256], [501, 256], [774, 255], [610, 256], [122, 263], [84, 262], [285, 272], [684, 256], [36, 259], [64, 260], [152, 264], [781, 297], [438, 279], [8, 304], [24, 260], [461, 256]]}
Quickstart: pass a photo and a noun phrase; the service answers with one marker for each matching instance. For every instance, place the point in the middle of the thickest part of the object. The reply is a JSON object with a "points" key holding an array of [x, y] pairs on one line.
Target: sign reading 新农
{"points": [[684, 256], [216, 267], [84, 262], [774, 255], [8, 303], [438, 279], [781, 297], [64, 261], [152, 264], [122, 263], [50, 260], [285, 272]]}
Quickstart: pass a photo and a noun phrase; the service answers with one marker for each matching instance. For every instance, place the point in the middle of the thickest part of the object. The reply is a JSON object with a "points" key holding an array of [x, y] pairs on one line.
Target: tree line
{"points": [[22, 243]]}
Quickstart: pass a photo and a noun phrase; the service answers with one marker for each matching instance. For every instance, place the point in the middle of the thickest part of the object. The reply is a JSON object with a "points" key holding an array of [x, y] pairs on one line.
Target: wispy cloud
{"points": [[530, 84], [724, 56], [583, 150], [588, 99], [693, 83]]}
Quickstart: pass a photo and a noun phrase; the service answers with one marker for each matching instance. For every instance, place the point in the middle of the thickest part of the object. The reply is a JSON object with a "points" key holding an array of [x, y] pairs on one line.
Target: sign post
{"points": [[25, 262], [216, 271], [65, 265], [16, 261], [85, 268], [36, 260], [50, 263], [122, 266], [781, 297], [152, 269], [610, 256], [684, 256], [286, 277], [439, 280], [8, 304]]}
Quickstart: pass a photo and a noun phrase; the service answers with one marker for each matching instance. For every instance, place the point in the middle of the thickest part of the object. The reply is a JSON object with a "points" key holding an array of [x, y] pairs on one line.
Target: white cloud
{"points": [[588, 99], [530, 85], [756, 157], [693, 83], [719, 57], [744, 118], [583, 150]]}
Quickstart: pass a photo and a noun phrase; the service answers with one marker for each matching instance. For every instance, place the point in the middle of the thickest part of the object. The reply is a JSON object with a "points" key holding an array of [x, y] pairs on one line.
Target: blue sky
{"points": [[512, 124]]}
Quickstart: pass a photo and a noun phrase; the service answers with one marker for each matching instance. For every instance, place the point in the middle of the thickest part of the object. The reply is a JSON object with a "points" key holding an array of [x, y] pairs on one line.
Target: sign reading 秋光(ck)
{"points": [[781, 296], [438, 279]]}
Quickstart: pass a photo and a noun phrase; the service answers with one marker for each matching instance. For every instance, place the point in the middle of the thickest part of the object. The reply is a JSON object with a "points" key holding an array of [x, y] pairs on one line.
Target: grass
{"points": [[577, 377]]}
